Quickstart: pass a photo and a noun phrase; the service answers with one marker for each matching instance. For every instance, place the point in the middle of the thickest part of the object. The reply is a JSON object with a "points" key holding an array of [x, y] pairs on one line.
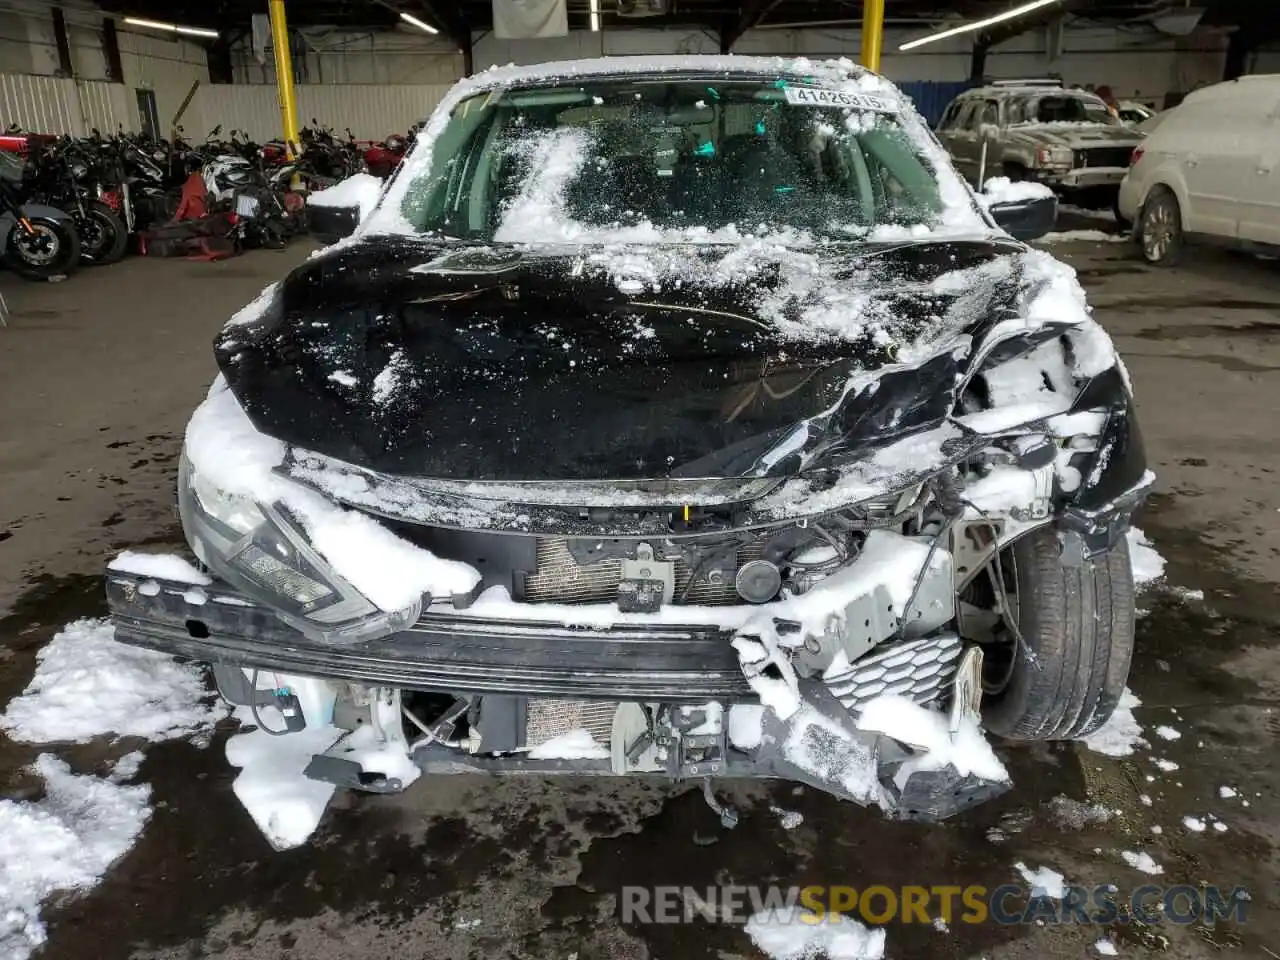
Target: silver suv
{"points": [[1037, 130]]}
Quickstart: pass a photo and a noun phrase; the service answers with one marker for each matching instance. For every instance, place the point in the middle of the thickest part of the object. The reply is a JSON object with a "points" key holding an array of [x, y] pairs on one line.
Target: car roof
{"points": [[801, 68], [1229, 88], [1005, 90]]}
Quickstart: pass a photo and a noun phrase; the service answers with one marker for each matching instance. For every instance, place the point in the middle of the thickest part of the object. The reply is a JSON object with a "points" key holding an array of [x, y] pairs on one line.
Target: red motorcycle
{"points": [[12, 141], [383, 158]]}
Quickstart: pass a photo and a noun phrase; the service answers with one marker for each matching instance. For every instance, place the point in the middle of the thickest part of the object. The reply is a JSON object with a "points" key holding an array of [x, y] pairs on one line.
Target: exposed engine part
{"points": [[442, 727], [758, 581], [548, 719]]}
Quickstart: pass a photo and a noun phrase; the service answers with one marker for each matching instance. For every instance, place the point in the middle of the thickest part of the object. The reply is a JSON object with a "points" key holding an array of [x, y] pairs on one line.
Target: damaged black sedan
{"points": [[687, 418]]}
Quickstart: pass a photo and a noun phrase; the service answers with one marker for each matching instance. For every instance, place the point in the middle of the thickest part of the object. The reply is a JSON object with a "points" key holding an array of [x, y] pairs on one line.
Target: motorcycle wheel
{"points": [[48, 251], [103, 235]]}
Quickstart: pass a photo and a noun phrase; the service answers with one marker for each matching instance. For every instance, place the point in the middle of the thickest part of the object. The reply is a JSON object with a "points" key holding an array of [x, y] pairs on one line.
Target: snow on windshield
{"points": [[671, 148]]}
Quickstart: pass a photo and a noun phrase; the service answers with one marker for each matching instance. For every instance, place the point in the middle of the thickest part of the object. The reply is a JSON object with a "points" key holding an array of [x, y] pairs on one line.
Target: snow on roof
{"points": [[831, 71]]}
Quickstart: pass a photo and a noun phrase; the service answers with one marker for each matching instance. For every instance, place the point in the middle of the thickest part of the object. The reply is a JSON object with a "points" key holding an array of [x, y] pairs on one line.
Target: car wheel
{"points": [[1015, 172], [1063, 679], [1160, 228]]}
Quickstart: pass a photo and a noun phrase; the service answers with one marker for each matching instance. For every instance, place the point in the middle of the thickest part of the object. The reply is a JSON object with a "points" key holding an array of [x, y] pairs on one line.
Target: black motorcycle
{"points": [[69, 174], [37, 242]]}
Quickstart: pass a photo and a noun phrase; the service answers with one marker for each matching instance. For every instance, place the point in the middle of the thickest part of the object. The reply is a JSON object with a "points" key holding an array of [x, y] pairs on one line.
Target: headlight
{"points": [[262, 550]]}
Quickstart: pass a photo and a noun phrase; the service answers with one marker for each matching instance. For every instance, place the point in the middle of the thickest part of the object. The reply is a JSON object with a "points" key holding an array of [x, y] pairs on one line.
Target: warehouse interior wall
{"points": [[1135, 63]]}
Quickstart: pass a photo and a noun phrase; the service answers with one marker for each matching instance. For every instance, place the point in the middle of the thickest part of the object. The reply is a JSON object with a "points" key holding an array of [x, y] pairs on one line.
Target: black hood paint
{"points": [[421, 358]]}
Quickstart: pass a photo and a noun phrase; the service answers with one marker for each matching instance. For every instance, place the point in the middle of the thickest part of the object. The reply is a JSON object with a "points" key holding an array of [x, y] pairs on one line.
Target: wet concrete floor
{"points": [[97, 376]]}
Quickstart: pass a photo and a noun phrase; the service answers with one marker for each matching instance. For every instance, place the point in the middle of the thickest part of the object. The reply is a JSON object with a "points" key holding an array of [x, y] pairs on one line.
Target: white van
{"points": [[1210, 169]]}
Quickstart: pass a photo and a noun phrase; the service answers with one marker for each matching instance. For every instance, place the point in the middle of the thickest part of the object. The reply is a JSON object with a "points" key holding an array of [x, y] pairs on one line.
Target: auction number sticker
{"points": [[817, 97]]}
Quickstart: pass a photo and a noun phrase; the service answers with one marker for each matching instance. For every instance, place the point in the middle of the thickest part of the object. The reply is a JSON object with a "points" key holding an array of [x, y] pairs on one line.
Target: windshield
{"points": [[1073, 110], [637, 160]]}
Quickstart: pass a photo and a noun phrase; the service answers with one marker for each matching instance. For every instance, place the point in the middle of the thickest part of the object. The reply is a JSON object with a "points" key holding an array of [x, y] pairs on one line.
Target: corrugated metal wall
{"points": [[54, 105], [37, 103], [372, 112]]}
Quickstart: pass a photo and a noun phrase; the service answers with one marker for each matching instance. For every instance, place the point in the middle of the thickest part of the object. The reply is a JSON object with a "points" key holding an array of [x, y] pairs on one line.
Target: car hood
{"points": [[486, 363]]}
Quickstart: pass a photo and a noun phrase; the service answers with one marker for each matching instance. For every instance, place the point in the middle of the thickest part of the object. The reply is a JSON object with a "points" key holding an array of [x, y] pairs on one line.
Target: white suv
{"points": [[1210, 170]]}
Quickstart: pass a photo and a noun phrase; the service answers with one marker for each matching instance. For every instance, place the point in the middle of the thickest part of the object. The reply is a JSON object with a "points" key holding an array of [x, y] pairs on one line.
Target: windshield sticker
{"points": [[815, 97]]}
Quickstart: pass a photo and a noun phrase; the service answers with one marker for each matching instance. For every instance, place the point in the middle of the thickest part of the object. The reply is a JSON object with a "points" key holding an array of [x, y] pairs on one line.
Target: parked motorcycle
{"points": [[70, 175], [37, 242]]}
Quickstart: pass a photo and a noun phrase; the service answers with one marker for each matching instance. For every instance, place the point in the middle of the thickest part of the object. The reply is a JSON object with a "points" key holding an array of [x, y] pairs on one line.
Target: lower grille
{"points": [[561, 579], [920, 670], [548, 719], [1104, 157]]}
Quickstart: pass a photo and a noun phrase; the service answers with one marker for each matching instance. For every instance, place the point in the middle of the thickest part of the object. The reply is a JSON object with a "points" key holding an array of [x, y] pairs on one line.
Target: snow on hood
{"points": [[960, 215]]}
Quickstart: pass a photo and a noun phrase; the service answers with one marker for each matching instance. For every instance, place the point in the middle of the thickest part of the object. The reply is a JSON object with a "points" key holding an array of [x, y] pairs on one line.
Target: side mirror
{"points": [[1026, 219], [1026, 211], [330, 224], [336, 212]]}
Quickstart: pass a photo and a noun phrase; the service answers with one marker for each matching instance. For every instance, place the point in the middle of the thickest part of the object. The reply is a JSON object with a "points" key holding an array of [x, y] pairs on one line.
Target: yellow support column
{"points": [[284, 75], [872, 33]]}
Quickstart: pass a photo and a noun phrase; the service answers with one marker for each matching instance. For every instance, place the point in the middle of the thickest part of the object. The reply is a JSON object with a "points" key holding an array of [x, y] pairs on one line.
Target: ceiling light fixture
{"points": [[977, 24], [595, 16], [171, 27], [420, 24]]}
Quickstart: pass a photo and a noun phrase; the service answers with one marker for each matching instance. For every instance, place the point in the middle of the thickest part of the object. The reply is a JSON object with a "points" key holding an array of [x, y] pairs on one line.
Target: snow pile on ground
{"points": [[930, 732], [64, 842], [1141, 861], [1075, 815], [1003, 190], [791, 934], [361, 191], [230, 454], [87, 685], [1147, 564], [1121, 735], [1105, 948], [1044, 882], [1194, 824], [1093, 236]]}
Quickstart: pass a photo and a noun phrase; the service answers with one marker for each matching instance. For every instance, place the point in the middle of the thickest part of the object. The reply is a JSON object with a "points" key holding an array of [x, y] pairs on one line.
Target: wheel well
{"points": [[1154, 190]]}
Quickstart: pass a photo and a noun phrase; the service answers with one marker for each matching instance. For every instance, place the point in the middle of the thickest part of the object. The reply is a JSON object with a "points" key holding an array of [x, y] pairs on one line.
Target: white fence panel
{"points": [[39, 104], [371, 111], [109, 107], [57, 105]]}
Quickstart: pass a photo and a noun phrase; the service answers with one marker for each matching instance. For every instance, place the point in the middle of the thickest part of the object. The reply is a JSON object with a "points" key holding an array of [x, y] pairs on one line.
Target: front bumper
{"points": [[447, 653], [1083, 178], [520, 665]]}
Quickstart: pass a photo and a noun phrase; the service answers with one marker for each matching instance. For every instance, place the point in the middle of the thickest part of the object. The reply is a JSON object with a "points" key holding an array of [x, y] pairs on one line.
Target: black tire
{"points": [[1078, 624], [103, 235], [49, 252], [1015, 172], [1160, 228], [1123, 224]]}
